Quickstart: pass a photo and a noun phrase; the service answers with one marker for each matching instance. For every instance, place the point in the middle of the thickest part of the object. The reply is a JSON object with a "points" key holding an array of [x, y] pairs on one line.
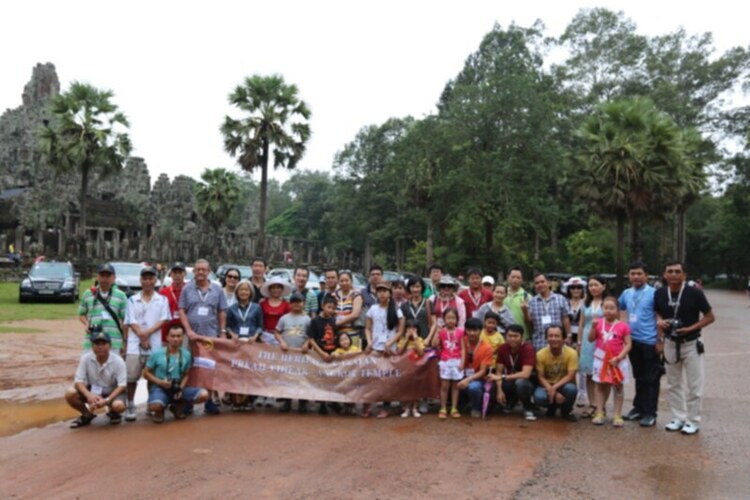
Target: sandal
{"points": [[455, 413], [618, 422], [442, 414], [82, 421], [383, 414], [598, 419], [589, 413]]}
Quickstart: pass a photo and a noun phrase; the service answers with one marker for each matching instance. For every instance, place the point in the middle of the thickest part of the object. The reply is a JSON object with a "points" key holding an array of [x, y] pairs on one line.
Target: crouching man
{"points": [[100, 382], [167, 370]]}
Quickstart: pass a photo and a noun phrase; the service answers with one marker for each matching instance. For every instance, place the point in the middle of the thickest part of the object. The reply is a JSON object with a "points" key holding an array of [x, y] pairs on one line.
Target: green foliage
{"points": [[217, 196], [590, 251]]}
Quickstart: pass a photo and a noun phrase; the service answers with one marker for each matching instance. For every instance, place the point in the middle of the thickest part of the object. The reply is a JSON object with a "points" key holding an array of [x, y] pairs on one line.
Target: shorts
{"points": [[157, 395], [105, 394], [624, 367], [449, 369], [135, 363]]}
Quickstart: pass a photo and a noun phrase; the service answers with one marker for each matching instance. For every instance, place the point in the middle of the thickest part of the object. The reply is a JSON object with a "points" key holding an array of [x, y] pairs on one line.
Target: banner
{"points": [[265, 370]]}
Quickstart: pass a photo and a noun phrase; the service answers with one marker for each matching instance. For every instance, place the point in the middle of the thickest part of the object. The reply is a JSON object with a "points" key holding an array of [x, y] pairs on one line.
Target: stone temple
{"points": [[128, 218]]}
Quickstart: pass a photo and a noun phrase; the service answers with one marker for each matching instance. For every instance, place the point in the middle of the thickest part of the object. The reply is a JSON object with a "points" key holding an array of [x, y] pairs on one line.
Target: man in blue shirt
{"points": [[637, 308]]}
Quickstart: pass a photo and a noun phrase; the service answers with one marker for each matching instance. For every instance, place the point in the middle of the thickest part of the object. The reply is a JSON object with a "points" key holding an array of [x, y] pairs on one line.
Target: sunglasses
{"points": [[575, 287], [232, 276]]}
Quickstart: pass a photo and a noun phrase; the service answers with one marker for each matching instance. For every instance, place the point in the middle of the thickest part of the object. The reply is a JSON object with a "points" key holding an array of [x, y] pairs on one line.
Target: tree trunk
{"points": [[636, 250], [263, 200], [430, 257], [488, 241], [619, 257], [537, 243], [683, 236], [81, 237]]}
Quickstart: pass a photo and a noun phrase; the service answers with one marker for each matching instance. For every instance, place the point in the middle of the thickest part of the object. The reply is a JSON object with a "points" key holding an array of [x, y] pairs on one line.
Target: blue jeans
{"points": [[569, 391], [519, 390], [160, 396], [476, 394]]}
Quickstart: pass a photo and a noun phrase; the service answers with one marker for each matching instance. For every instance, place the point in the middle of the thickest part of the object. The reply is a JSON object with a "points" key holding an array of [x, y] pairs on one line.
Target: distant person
{"points": [[683, 312], [104, 305], [436, 273], [370, 293], [147, 312], [100, 382], [167, 370], [488, 282], [476, 294], [545, 309], [172, 293], [556, 367]]}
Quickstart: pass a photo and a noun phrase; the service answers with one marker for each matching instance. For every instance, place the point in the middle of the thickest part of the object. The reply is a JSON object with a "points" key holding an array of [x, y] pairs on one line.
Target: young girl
{"points": [[451, 371], [592, 311], [345, 346], [385, 323], [411, 340], [611, 367]]}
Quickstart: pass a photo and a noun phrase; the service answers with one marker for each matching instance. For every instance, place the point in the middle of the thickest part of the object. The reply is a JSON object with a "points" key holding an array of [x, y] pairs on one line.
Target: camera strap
{"points": [[675, 304], [112, 314]]}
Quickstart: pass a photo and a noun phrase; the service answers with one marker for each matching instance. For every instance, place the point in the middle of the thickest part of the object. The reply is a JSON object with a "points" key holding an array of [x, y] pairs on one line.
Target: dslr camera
{"points": [[94, 329], [674, 324]]}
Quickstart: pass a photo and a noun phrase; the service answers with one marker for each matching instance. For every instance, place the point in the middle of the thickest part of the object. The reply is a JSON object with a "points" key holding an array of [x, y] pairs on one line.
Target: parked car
{"points": [[392, 276], [128, 277], [246, 272], [50, 280], [287, 273]]}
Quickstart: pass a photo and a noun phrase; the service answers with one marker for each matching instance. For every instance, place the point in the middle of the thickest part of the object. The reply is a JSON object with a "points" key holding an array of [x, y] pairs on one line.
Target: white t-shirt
{"points": [[146, 315], [380, 332]]}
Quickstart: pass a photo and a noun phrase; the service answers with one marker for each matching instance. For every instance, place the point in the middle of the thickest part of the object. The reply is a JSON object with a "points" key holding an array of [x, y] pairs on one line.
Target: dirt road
{"points": [[269, 455]]}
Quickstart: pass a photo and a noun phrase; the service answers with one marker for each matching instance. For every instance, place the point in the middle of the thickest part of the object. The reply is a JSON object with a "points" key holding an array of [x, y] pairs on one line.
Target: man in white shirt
{"points": [[146, 312]]}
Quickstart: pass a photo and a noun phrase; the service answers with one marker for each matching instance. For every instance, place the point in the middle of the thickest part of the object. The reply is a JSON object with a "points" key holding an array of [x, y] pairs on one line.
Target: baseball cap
{"points": [[106, 268], [297, 297], [100, 335], [178, 265], [148, 270], [488, 279]]}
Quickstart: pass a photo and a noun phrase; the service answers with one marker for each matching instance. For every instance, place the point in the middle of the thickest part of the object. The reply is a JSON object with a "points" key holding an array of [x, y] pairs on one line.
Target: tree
{"points": [[86, 135], [217, 196], [272, 106]]}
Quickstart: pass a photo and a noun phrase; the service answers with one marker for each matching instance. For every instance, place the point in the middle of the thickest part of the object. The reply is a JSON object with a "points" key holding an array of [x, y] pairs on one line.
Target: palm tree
{"points": [[272, 107], [86, 135], [216, 197]]}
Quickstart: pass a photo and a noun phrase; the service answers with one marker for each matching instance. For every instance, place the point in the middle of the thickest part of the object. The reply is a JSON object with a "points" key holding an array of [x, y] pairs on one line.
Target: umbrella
{"points": [[486, 397]]}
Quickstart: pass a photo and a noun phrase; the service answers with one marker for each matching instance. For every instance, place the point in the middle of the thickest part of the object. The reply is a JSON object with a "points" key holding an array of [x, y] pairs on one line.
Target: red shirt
{"points": [[272, 314], [514, 363], [173, 297], [472, 302]]}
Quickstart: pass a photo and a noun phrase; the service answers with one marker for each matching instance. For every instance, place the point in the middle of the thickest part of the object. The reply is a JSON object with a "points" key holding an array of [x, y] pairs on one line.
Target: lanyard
{"points": [[414, 313], [634, 303], [179, 361], [243, 317], [513, 360], [608, 334], [675, 303], [477, 301], [201, 294]]}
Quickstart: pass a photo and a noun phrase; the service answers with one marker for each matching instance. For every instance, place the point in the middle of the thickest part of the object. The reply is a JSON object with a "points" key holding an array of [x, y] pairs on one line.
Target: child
{"points": [[611, 367], [411, 340], [451, 371], [490, 333], [384, 323], [291, 332], [322, 337], [345, 346]]}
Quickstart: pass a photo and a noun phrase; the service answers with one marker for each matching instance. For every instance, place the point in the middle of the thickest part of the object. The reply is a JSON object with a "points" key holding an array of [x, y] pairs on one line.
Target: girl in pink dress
{"points": [[611, 366], [451, 369]]}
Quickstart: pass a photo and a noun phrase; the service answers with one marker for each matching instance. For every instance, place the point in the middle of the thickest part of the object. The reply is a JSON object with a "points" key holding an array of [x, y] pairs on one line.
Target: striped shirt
{"points": [[97, 314]]}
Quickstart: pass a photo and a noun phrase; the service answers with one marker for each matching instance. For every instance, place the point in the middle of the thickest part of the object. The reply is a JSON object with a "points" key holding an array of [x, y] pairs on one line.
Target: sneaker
{"points": [[690, 429], [114, 418], [633, 415], [270, 402], [130, 412], [211, 408], [416, 414], [406, 413], [529, 416], [675, 425], [648, 421], [476, 414]]}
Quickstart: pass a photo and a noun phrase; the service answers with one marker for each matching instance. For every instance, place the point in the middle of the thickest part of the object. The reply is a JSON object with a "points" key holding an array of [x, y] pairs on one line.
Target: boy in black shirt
{"points": [[322, 335]]}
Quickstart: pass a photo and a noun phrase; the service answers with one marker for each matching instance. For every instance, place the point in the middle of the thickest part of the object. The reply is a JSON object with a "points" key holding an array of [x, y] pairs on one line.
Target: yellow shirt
{"points": [[495, 339], [341, 351], [412, 344], [554, 368]]}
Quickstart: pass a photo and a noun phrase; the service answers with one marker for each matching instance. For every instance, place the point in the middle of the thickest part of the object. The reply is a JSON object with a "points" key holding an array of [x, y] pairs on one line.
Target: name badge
{"points": [[599, 354], [546, 319], [244, 331], [633, 318], [469, 372], [203, 311], [97, 390], [176, 315]]}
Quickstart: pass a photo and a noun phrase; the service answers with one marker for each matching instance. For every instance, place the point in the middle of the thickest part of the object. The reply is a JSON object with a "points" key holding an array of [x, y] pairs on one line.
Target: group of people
{"points": [[544, 350]]}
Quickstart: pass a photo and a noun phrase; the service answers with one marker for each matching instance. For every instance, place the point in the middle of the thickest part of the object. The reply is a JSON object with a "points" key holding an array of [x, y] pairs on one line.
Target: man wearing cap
{"points": [[99, 382], [172, 293], [475, 295], [203, 311], [104, 305], [146, 313]]}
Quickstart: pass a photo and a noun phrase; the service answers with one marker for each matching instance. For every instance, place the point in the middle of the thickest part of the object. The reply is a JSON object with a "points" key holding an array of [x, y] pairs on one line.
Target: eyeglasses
{"points": [[232, 277], [575, 287]]}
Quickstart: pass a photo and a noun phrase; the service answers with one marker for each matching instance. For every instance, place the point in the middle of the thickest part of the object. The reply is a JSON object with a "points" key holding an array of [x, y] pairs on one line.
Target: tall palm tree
{"points": [[216, 197], [86, 135], [276, 119]]}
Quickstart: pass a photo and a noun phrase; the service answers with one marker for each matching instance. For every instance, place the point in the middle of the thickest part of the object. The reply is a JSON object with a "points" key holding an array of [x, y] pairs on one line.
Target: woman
{"points": [[499, 292], [575, 295], [231, 278], [244, 323], [592, 311], [273, 306], [399, 295], [418, 308], [349, 309], [445, 299]]}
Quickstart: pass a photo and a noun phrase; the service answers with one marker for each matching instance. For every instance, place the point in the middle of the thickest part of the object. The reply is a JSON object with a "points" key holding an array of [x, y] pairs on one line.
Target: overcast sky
{"points": [[172, 64]]}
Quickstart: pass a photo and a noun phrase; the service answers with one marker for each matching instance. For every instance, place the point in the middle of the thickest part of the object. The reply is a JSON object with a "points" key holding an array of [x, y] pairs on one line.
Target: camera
{"points": [[95, 329], [674, 325]]}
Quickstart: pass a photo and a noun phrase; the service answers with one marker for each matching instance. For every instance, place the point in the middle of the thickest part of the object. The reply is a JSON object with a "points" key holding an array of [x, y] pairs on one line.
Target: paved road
{"points": [[272, 455]]}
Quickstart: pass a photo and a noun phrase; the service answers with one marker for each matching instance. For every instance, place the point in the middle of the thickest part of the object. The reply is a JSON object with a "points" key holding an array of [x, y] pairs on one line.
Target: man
{"points": [[682, 312], [330, 285], [259, 269], [104, 305], [545, 309], [515, 362], [488, 283], [147, 312], [436, 273], [172, 293], [301, 275], [167, 371], [637, 308], [556, 366], [369, 293], [478, 363], [516, 298], [203, 312], [99, 382], [476, 294]]}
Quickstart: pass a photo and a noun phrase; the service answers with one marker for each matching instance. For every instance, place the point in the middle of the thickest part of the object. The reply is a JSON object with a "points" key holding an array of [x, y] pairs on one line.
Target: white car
{"points": [[287, 274]]}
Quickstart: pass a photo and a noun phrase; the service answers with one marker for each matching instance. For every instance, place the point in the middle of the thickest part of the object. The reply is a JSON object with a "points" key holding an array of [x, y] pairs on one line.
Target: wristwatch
{"points": [[502, 376]]}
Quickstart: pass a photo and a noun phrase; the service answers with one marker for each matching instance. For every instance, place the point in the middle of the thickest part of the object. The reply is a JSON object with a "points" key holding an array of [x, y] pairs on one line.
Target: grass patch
{"points": [[19, 329], [12, 310]]}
